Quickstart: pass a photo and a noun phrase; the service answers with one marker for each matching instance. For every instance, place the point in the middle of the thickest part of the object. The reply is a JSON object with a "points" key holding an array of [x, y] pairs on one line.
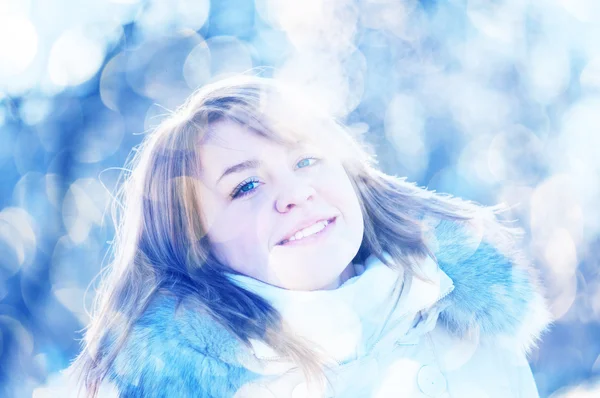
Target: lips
{"points": [[303, 225]]}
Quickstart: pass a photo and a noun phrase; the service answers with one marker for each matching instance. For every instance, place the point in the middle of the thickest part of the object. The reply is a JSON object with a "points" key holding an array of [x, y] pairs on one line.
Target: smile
{"points": [[311, 234]]}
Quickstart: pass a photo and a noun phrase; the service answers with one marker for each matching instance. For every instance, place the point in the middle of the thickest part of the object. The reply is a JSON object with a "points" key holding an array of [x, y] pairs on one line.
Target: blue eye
{"points": [[243, 188]]}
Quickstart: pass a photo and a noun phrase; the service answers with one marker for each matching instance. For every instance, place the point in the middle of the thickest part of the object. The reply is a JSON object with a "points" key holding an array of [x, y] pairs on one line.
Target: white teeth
{"points": [[313, 229]]}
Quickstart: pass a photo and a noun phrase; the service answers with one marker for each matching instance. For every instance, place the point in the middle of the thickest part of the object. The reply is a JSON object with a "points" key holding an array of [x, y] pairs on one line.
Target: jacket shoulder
{"points": [[174, 352]]}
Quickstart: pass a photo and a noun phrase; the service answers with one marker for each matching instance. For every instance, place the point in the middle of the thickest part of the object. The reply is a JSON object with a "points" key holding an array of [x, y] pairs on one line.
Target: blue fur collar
{"points": [[496, 293]]}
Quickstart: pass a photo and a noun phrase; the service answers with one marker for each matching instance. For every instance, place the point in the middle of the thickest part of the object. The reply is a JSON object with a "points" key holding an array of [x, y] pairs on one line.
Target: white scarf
{"points": [[349, 321]]}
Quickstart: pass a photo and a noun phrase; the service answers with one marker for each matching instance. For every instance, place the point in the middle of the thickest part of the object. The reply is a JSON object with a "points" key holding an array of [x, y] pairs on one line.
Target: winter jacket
{"points": [[460, 330]]}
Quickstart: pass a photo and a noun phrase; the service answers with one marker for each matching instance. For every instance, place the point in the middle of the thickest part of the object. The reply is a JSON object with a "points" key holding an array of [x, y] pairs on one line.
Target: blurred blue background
{"points": [[493, 101]]}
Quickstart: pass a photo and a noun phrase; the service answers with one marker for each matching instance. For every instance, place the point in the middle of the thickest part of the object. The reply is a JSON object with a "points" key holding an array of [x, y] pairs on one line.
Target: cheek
{"points": [[238, 225], [354, 212], [244, 223], [219, 223], [340, 188], [240, 240], [349, 205]]}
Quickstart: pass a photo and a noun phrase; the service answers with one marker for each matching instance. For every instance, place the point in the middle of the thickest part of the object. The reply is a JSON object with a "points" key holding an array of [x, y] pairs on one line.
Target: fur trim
{"points": [[496, 292], [175, 352]]}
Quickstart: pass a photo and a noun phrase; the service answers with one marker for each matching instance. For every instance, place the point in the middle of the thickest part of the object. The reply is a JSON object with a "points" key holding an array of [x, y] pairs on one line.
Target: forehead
{"points": [[231, 135]]}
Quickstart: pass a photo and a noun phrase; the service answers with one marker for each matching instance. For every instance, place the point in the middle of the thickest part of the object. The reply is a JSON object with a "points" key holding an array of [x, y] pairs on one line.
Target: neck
{"points": [[346, 274]]}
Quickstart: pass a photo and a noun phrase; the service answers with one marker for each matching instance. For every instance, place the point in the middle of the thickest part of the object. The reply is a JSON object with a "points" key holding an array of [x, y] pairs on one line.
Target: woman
{"points": [[261, 253]]}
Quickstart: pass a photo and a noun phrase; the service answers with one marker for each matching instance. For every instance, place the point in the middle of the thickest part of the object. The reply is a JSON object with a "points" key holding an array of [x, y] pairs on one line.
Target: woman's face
{"points": [[250, 209]]}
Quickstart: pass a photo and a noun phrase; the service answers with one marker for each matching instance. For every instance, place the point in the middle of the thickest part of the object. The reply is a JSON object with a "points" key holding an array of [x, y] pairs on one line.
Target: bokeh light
{"points": [[18, 53]]}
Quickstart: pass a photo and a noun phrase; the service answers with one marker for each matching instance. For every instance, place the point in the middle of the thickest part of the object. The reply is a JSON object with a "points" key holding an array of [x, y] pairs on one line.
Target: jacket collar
{"points": [[348, 321]]}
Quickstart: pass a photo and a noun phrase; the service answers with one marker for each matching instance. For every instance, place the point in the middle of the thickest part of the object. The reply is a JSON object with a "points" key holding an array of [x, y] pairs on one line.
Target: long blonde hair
{"points": [[160, 246]]}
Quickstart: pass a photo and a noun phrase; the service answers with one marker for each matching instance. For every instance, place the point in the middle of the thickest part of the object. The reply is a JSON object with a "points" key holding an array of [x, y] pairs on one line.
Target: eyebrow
{"points": [[254, 163], [236, 168]]}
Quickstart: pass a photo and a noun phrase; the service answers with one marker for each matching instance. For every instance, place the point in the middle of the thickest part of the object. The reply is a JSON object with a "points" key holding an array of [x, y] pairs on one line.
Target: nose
{"points": [[293, 194]]}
